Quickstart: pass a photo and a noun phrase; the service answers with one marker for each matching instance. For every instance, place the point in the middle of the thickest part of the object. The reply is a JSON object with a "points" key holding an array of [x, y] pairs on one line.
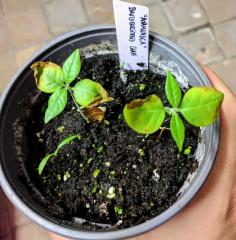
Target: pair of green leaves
{"points": [[199, 106], [55, 153], [54, 79]]}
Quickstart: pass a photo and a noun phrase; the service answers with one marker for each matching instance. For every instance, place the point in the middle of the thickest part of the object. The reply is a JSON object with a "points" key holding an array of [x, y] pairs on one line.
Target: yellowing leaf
{"points": [[90, 93], [145, 116], [200, 105], [48, 76]]}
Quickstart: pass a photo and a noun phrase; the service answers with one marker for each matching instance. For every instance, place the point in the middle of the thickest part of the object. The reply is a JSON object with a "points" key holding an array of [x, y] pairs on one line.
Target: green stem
{"points": [[171, 110], [77, 105]]}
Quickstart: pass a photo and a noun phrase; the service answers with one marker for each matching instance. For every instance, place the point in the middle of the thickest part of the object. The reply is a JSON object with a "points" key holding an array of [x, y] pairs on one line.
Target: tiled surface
{"points": [[226, 36], [27, 27], [205, 28], [205, 49], [63, 17], [159, 22], [219, 10], [99, 11], [184, 15]]}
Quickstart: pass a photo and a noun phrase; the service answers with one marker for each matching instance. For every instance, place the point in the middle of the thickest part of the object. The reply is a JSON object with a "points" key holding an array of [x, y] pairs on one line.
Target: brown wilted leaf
{"points": [[137, 103], [48, 76], [94, 114], [100, 100]]}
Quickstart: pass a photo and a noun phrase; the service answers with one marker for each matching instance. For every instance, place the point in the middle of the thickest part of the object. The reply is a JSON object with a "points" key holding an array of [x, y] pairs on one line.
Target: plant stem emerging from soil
{"points": [[77, 105]]}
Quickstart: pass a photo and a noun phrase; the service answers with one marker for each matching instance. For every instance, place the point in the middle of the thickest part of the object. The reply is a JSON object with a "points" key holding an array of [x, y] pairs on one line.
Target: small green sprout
{"points": [[94, 190], [100, 149], [111, 192], [199, 106], [142, 86], [187, 151], [66, 176], [89, 160], [141, 152], [118, 211], [60, 129], [100, 192], [108, 164], [54, 154], [106, 122], [120, 117], [96, 173], [59, 177]]}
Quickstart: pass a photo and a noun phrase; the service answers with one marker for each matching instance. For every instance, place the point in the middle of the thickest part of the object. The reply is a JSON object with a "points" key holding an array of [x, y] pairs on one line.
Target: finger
{"points": [[56, 237]]}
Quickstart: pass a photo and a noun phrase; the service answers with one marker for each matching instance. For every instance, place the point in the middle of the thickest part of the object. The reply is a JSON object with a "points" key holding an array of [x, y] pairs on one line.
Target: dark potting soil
{"points": [[144, 173]]}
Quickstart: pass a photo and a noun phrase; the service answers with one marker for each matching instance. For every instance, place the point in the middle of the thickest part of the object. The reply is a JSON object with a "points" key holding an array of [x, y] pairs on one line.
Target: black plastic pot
{"points": [[164, 54]]}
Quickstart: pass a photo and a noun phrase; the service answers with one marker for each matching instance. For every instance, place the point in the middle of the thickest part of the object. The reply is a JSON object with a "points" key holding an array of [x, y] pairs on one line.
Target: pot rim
{"points": [[131, 231]]}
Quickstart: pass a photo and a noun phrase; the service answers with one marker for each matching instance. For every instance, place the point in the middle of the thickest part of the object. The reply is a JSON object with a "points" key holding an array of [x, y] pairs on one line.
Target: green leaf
{"points": [[90, 93], [66, 141], [173, 91], [145, 116], [54, 154], [48, 76], [118, 211], [56, 104], [177, 130], [200, 105], [72, 66], [44, 162], [187, 151]]}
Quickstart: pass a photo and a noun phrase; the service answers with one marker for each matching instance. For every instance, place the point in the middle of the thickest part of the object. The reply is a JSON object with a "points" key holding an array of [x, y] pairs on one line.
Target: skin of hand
{"points": [[211, 215]]}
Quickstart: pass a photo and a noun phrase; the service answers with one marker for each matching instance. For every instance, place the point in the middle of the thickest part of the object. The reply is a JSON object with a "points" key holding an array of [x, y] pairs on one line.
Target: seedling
{"points": [[187, 151], [141, 152], [199, 106], [118, 211], [54, 79], [111, 192], [142, 86], [54, 154], [96, 173]]}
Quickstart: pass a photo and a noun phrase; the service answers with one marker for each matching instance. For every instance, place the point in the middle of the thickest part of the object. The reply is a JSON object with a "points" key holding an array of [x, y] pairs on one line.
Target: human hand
{"points": [[211, 215]]}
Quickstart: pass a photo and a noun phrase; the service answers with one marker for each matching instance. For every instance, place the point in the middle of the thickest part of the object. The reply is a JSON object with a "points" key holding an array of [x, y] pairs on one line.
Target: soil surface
{"points": [[138, 177]]}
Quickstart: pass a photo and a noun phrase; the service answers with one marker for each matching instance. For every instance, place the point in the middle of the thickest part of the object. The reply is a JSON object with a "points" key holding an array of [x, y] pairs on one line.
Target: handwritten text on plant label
{"points": [[132, 29]]}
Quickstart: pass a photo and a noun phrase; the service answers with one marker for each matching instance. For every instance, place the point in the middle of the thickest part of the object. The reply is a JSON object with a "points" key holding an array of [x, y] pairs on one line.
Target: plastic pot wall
{"points": [[164, 54]]}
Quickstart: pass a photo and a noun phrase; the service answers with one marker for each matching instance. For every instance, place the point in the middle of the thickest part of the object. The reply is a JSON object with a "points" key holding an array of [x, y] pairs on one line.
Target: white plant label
{"points": [[132, 30]]}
